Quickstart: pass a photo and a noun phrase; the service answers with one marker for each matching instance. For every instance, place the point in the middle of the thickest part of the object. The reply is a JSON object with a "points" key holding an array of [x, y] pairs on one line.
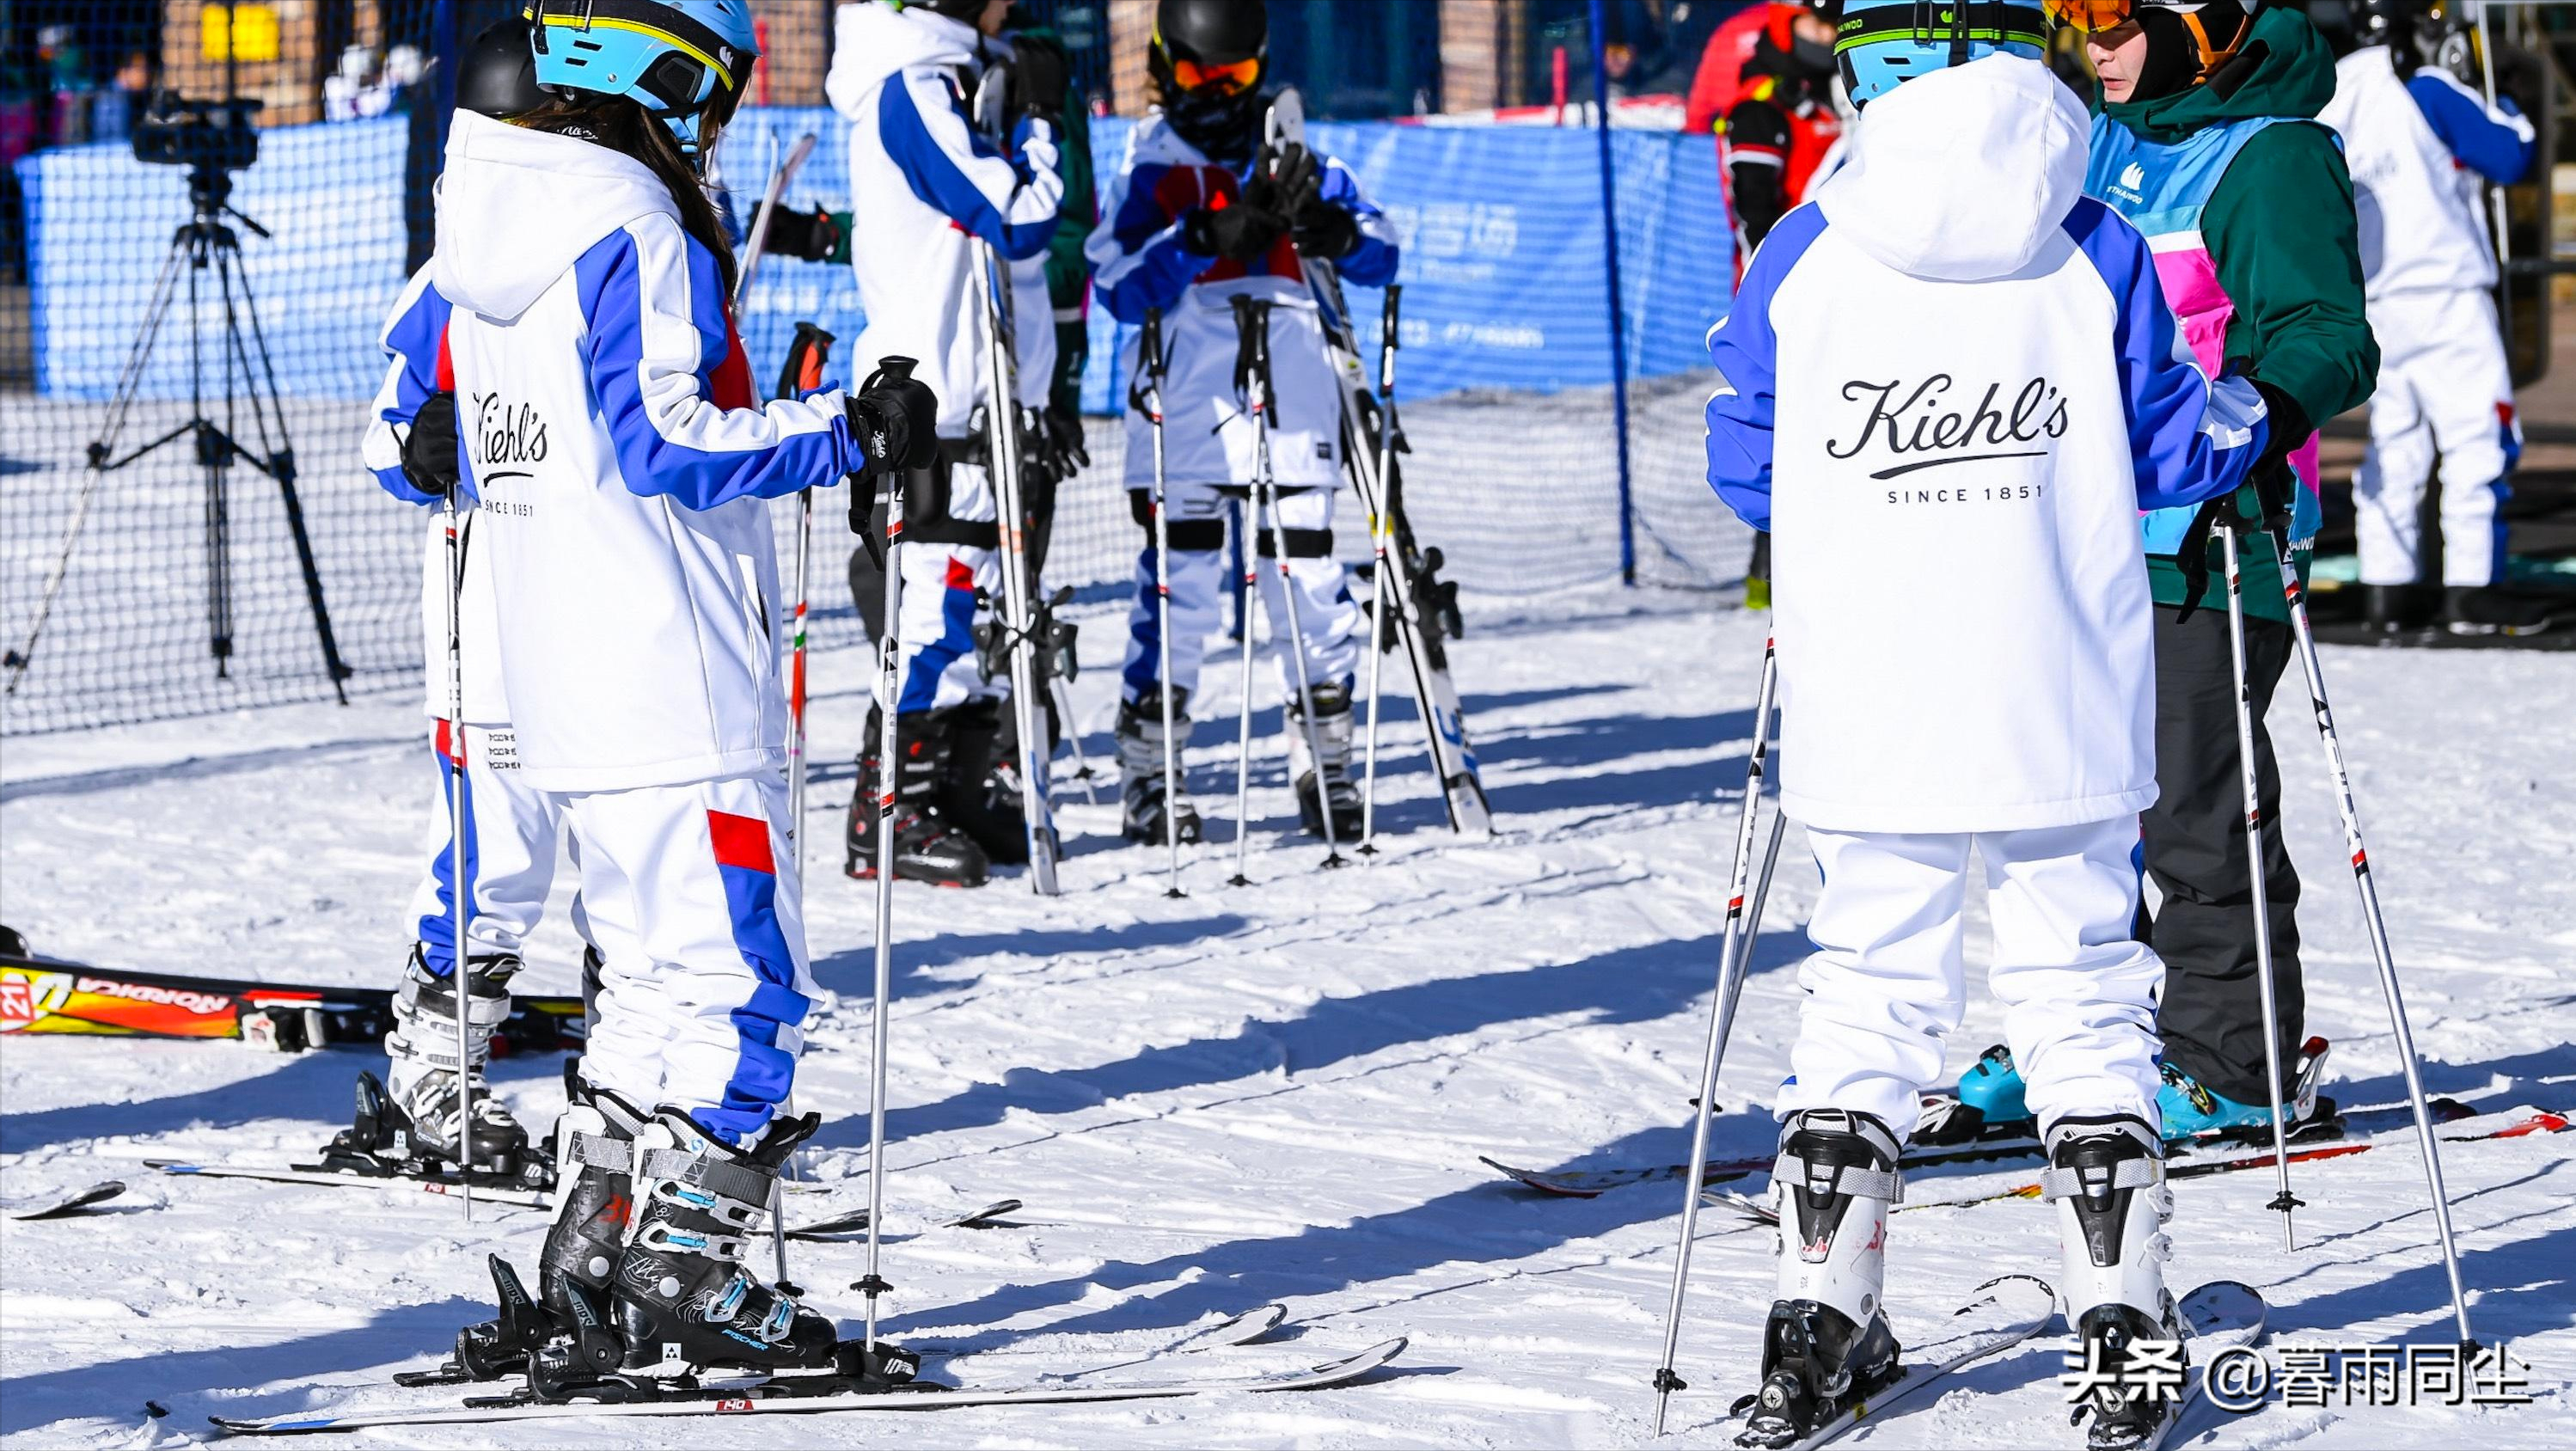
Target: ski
{"points": [[2218, 1317], [2002, 1313], [774, 1398], [856, 1221], [1426, 609], [756, 241], [65, 1203], [2512, 1124], [496, 1192], [2004, 1142], [42, 996]]}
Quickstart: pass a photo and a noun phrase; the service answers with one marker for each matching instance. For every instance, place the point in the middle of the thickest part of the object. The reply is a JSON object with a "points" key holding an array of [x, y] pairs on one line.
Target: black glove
{"points": [[812, 235], [1326, 232], [895, 422], [1039, 76], [1239, 232], [1285, 179], [2290, 426], [1055, 436], [429, 450]]}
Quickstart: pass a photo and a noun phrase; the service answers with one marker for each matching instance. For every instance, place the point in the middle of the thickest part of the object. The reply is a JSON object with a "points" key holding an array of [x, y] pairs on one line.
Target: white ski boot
{"points": [[1827, 1342], [1140, 766], [411, 1125], [1332, 721], [2107, 1175]]}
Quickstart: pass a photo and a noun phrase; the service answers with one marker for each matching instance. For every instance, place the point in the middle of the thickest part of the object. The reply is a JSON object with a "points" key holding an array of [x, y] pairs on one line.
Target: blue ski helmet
{"points": [[1881, 43], [684, 61]]}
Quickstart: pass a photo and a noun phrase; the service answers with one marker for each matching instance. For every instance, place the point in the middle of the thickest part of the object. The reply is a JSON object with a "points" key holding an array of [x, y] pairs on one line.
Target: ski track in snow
{"points": [[1274, 1092]]}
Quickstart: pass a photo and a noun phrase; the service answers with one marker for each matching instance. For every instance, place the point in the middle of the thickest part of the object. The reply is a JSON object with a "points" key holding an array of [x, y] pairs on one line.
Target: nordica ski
{"points": [[1425, 608], [41, 996], [63, 1203], [2001, 1314], [777, 1397], [1022, 618]]}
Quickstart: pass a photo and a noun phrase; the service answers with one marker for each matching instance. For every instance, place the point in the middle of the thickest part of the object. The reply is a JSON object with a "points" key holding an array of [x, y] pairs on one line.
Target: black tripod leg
{"points": [[280, 464]]}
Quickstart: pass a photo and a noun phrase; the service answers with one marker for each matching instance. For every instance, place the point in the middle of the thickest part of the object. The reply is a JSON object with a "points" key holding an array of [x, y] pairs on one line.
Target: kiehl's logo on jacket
{"points": [[506, 433], [1905, 427]]}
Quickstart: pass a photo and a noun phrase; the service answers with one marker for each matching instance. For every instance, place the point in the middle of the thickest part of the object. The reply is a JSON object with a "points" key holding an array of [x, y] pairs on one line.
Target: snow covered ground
{"points": [[1276, 1092]]}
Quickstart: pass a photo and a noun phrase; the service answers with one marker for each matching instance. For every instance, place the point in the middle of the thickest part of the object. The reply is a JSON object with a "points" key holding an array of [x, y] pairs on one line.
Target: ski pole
{"points": [[2377, 923], [1252, 320], [802, 373], [1378, 526], [889, 691], [460, 883], [2284, 1201], [1019, 599], [1247, 518], [1149, 398], [1730, 972]]}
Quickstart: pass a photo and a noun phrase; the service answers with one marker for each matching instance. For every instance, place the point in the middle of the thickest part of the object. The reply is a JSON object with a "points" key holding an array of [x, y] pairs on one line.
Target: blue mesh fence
{"points": [[181, 587]]}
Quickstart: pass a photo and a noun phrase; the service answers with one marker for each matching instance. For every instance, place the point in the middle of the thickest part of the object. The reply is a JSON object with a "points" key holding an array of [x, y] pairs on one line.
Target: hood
{"points": [[873, 42], [1962, 174], [2284, 68], [516, 208]]}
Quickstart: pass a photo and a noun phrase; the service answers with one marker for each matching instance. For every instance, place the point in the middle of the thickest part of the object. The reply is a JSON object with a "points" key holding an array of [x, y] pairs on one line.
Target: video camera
{"points": [[212, 135]]}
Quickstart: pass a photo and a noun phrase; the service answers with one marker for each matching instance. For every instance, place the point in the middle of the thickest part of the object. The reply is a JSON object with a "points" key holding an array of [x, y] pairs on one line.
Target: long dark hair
{"points": [[622, 126]]}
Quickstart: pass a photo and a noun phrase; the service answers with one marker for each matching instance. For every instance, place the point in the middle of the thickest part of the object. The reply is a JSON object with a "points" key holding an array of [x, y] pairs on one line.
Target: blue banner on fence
{"points": [[1505, 278]]}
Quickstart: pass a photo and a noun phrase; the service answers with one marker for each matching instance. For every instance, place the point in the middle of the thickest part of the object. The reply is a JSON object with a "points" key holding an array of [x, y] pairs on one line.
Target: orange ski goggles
{"points": [[2089, 16], [1232, 79]]}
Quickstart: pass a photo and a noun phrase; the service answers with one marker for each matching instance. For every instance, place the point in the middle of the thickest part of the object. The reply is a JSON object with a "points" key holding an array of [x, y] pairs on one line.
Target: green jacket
{"points": [[2281, 231]]}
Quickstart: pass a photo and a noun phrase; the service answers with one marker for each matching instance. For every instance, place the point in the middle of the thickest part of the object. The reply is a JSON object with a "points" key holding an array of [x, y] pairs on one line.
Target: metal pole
{"points": [[1248, 529], [1721, 1016], [1149, 396], [1381, 515], [2495, 194], [889, 691], [2377, 923], [2284, 1201], [1618, 311], [460, 882]]}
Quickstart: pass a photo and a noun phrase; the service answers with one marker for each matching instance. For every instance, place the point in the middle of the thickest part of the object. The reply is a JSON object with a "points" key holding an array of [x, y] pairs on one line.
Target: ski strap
{"points": [[2094, 1182], [1853, 1179], [735, 1194], [599, 1151]]}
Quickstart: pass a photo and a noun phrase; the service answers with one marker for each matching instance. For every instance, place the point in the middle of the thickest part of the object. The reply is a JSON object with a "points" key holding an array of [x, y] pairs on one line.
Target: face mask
{"points": [[1815, 58]]}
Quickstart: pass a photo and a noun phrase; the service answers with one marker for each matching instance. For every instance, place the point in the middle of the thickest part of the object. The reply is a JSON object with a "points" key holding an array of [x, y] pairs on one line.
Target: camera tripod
{"points": [[204, 244]]}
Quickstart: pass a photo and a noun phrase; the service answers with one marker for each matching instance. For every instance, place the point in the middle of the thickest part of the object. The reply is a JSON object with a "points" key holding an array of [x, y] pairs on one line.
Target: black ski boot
{"points": [[979, 782], [1827, 1343], [410, 1128], [2107, 1175], [1140, 766], [1332, 722], [2487, 610], [561, 1337], [926, 847], [682, 1298]]}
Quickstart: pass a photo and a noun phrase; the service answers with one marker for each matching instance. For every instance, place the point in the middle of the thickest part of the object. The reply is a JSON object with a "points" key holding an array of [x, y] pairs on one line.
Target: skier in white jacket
{"points": [[1196, 216], [1950, 384], [2419, 144], [622, 471], [922, 179]]}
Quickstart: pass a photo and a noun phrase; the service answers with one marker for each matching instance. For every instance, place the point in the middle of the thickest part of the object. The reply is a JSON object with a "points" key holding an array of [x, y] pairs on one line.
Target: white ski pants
{"points": [[936, 627], [1887, 984], [703, 987], [2446, 392], [510, 835], [1316, 585]]}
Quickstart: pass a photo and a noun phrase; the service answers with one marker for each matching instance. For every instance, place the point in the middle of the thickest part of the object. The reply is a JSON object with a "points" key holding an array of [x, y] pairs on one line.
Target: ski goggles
{"points": [[1231, 79], [2095, 16]]}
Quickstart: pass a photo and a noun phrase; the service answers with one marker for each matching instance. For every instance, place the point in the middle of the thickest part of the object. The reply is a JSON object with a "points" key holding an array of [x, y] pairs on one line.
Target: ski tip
{"points": [[1251, 1325], [1996, 1289], [290, 1426], [1351, 1367]]}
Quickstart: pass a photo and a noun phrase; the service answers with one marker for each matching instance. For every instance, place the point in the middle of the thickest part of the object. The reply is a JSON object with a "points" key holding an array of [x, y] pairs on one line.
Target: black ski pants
{"points": [[2212, 1014]]}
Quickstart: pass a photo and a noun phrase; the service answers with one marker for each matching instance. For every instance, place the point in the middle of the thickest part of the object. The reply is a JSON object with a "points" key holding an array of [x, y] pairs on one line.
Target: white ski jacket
{"points": [[1951, 383], [1140, 262], [605, 409], [2417, 148], [922, 180]]}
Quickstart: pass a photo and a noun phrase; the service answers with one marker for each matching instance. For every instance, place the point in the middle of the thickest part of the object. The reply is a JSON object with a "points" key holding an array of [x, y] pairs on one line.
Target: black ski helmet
{"points": [[2393, 23], [497, 75], [1208, 59]]}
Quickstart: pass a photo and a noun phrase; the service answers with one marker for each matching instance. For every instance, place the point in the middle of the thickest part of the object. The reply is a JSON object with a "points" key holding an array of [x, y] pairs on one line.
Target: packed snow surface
{"points": [[1272, 1092]]}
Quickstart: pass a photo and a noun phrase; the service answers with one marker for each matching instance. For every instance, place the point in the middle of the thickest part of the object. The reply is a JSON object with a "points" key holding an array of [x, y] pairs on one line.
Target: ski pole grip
{"points": [[1394, 301], [1149, 344], [806, 354]]}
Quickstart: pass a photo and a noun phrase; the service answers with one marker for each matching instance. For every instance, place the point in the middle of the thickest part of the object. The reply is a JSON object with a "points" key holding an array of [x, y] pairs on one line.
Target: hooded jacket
{"points": [[1952, 359], [606, 417], [922, 179], [1142, 262], [2418, 146], [2277, 227]]}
